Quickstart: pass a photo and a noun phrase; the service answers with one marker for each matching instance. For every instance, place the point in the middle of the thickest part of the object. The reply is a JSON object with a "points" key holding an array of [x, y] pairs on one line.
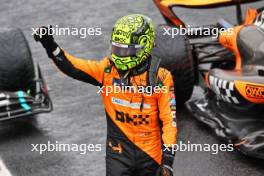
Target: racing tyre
{"points": [[176, 56], [16, 64]]}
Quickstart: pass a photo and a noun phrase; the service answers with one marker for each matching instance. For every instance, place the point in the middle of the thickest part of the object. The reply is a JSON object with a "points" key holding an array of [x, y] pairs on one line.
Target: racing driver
{"points": [[141, 125]]}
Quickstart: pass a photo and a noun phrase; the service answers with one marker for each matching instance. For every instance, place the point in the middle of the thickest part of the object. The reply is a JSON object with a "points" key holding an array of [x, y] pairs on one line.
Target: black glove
{"points": [[166, 166], [164, 170], [43, 36]]}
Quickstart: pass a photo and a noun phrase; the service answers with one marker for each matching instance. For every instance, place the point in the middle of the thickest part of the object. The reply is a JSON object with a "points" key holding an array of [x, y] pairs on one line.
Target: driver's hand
{"points": [[45, 37], [164, 170]]}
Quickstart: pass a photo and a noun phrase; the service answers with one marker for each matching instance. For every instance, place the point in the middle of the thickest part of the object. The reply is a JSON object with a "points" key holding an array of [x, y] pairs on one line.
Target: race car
{"points": [[23, 91], [228, 70]]}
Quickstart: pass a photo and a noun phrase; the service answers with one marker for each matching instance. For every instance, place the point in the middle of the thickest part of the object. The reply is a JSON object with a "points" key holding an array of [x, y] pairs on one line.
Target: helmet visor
{"points": [[123, 50]]}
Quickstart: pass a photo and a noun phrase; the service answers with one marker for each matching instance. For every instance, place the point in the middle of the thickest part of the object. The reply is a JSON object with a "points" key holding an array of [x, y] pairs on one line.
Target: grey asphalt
{"points": [[78, 115]]}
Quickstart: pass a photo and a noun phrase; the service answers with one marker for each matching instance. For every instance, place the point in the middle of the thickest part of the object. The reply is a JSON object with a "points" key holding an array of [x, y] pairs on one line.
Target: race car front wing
{"points": [[21, 103]]}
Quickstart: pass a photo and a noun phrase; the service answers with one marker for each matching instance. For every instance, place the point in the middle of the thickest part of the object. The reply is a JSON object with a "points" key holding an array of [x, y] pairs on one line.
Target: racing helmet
{"points": [[132, 41], [260, 20]]}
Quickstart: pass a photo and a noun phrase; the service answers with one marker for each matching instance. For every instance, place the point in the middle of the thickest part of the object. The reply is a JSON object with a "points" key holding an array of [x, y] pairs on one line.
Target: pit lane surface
{"points": [[78, 116]]}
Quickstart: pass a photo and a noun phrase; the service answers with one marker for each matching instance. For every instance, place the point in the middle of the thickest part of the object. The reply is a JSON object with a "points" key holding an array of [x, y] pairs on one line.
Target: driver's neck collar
{"points": [[141, 68]]}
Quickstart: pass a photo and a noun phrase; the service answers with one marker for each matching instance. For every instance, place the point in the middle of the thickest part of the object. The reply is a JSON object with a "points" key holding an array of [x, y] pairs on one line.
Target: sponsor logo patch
{"points": [[132, 119], [253, 91], [174, 122], [172, 95], [128, 104], [173, 102]]}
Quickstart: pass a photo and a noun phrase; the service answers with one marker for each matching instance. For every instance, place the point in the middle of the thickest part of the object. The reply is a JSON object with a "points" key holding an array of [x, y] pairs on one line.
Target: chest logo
{"points": [[134, 119]]}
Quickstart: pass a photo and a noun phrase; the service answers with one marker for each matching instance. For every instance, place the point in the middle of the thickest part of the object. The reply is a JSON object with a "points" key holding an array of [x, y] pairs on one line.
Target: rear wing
{"points": [[203, 3], [165, 7]]}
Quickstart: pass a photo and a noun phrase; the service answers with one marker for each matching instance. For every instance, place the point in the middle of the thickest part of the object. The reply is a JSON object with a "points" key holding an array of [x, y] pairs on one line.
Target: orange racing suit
{"points": [[138, 124]]}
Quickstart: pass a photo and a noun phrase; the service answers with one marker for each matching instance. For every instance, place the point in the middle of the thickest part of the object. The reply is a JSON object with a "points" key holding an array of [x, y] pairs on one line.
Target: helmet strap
{"points": [[153, 71]]}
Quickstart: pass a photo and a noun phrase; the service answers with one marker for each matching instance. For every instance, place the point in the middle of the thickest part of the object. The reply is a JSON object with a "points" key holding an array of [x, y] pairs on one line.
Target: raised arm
{"points": [[84, 70]]}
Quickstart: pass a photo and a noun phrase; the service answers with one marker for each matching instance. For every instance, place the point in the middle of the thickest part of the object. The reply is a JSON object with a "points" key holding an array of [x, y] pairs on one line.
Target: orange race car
{"points": [[228, 68]]}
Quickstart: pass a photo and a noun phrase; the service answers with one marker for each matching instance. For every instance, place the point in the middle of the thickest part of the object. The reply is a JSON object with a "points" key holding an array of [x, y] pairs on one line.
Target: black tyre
{"points": [[16, 64], [176, 56]]}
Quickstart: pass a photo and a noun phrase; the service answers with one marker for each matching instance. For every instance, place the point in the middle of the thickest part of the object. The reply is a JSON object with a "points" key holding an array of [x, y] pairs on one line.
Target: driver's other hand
{"points": [[165, 171]]}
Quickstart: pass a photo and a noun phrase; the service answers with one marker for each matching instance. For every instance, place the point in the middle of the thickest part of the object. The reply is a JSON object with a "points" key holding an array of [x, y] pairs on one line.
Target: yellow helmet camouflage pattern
{"points": [[132, 41]]}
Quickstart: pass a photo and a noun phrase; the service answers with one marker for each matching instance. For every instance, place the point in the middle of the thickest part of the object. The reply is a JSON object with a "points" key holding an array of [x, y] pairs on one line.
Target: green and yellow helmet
{"points": [[132, 41]]}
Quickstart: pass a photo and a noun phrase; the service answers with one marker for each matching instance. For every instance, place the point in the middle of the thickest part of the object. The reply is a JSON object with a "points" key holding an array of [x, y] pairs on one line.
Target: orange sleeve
{"points": [[84, 70], [167, 111]]}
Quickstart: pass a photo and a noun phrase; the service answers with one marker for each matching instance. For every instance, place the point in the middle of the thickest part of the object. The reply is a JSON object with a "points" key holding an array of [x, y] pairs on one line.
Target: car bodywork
{"points": [[230, 73], [20, 103], [23, 90], [166, 7]]}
